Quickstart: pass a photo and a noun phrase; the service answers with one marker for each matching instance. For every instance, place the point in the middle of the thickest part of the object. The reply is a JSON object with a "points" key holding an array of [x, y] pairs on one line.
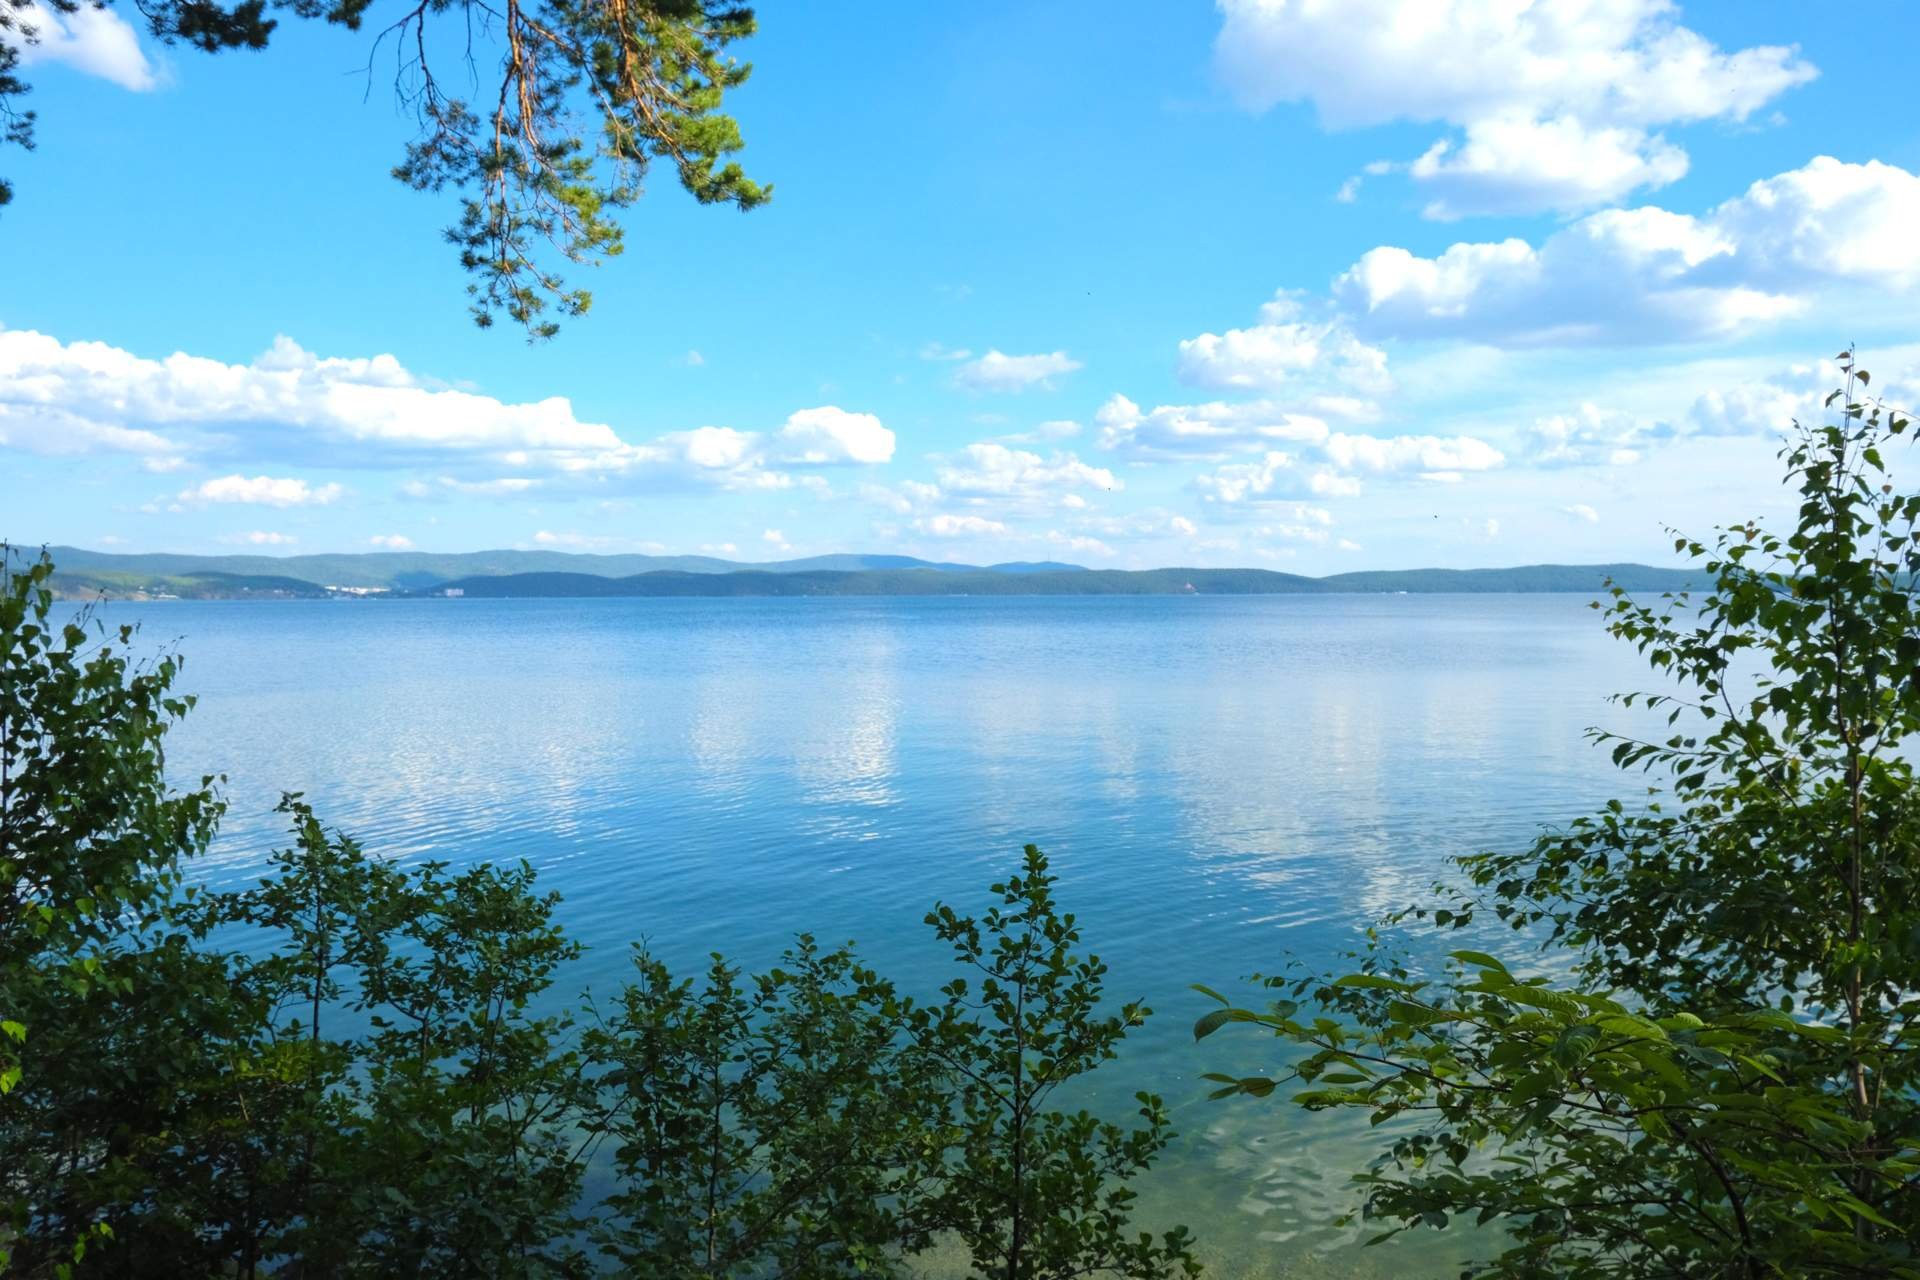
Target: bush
{"points": [[389, 1088]]}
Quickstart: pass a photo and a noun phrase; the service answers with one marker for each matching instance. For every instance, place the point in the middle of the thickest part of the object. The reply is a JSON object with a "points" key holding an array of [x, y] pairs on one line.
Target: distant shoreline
{"points": [[84, 575]]}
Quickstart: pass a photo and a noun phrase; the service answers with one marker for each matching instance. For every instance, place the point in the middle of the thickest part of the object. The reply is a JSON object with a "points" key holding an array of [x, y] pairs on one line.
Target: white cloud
{"points": [[1518, 165], [1756, 408], [1213, 429], [988, 469], [1283, 349], [1308, 529], [1582, 512], [947, 525], [1589, 435], [997, 371], [1275, 476], [776, 539], [1757, 405], [904, 498], [391, 541], [1650, 275], [940, 351], [1331, 469], [97, 41], [56, 431], [373, 402], [1079, 543], [693, 359], [1828, 219], [829, 434], [263, 491], [263, 538], [1559, 101], [1410, 453], [444, 486], [88, 396]]}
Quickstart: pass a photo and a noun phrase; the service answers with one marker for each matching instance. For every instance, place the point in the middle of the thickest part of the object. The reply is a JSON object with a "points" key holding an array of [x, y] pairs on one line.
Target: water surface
{"points": [[1221, 783]]}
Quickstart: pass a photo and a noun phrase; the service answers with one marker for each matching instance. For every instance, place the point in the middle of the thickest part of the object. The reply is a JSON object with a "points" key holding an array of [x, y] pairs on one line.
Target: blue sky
{"points": [[1287, 283]]}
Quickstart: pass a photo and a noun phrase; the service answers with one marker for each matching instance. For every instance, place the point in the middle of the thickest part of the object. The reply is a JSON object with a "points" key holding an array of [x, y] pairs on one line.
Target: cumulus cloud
{"points": [[1281, 350], [262, 491], [262, 538], [1557, 103], [453, 486], [997, 371], [97, 41], [994, 470], [991, 477], [1650, 275], [1432, 454], [829, 434], [1277, 475], [55, 431], [1582, 512], [1589, 435], [948, 525], [1761, 406], [1213, 429], [1518, 165], [1333, 468], [391, 541], [1079, 543], [89, 396]]}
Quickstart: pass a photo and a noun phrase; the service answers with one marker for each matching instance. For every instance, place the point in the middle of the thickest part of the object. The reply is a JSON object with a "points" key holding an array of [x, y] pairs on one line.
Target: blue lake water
{"points": [[1221, 782]]}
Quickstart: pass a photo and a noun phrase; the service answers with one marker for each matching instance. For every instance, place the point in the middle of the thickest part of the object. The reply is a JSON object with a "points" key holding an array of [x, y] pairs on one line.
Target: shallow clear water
{"points": [[1222, 783]]}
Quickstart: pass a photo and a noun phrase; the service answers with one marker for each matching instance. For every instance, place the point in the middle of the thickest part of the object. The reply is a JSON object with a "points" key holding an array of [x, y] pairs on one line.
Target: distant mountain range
{"points": [[559, 574], [412, 570]]}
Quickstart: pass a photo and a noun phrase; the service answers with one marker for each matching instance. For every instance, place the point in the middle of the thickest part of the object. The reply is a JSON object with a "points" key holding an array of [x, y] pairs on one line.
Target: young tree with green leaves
{"points": [[1727, 1084], [585, 97], [1033, 1191], [100, 988], [769, 1127]]}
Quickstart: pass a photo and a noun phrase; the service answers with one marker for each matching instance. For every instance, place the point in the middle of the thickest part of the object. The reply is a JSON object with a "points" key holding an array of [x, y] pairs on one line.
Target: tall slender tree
{"points": [[1730, 1085]]}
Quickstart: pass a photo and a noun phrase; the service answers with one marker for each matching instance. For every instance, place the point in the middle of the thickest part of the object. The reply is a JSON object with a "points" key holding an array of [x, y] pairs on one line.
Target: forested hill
{"points": [[1080, 582], [511, 574], [411, 570]]}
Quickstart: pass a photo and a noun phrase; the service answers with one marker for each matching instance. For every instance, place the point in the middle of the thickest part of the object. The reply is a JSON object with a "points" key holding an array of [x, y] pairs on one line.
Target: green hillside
{"points": [[535, 574], [407, 570], [1523, 578], [927, 582], [119, 584]]}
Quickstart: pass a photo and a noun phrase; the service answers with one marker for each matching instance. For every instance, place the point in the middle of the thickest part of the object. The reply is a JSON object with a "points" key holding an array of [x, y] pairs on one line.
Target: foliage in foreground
{"points": [[648, 77], [1726, 1083], [382, 1084]]}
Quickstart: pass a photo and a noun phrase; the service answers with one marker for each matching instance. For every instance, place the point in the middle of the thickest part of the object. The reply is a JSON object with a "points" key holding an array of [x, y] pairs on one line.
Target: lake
{"points": [[1222, 783]]}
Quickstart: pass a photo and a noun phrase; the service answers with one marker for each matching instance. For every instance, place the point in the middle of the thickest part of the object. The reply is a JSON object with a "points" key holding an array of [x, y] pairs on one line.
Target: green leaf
{"points": [[1479, 959]]}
